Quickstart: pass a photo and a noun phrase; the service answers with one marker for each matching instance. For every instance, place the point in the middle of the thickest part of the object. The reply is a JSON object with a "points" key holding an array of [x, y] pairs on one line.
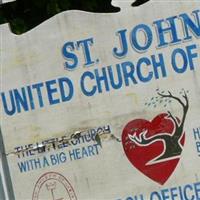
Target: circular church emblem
{"points": [[53, 186]]}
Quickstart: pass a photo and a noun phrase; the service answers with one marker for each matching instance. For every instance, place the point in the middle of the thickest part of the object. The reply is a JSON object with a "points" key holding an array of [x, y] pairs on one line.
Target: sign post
{"points": [[2, 195], [6, 190]]}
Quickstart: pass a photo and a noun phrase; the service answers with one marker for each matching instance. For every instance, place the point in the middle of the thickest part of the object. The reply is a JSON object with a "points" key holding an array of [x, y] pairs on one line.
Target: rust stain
{"points": [[134, 96]]}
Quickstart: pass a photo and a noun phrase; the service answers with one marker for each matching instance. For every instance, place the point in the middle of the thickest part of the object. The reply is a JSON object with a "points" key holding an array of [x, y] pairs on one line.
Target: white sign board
{"points": [[104, 106]]}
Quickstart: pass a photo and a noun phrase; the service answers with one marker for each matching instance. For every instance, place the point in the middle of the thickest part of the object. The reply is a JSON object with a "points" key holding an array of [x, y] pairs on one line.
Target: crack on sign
{"points": [[78, 137], [100, 135]]}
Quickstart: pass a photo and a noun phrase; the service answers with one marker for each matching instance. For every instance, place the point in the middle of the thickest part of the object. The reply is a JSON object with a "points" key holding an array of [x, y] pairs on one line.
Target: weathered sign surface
{"points": [[104, 106]]}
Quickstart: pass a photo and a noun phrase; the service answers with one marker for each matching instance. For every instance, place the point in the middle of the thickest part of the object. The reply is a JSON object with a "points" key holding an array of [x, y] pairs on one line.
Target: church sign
{"points": [[104, 106]]}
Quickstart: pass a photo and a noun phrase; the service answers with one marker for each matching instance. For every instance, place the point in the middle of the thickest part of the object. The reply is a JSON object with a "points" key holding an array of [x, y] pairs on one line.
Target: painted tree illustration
{"points": [[171, 141]]}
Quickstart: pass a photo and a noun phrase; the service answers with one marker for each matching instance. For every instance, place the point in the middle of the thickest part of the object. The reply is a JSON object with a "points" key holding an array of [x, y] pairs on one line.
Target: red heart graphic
{"points": [[151, 148]]}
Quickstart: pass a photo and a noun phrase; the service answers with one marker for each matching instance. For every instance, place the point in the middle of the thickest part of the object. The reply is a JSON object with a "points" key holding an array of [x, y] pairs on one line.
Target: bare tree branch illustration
{"points": [[171, 141]]}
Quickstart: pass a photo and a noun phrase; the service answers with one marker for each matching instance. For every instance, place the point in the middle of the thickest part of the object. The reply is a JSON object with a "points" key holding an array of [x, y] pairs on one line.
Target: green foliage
{"points": [[23, 15]]}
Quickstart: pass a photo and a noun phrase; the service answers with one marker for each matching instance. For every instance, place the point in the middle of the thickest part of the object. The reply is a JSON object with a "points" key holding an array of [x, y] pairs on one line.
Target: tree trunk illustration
{"points": [[171, 142]]}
